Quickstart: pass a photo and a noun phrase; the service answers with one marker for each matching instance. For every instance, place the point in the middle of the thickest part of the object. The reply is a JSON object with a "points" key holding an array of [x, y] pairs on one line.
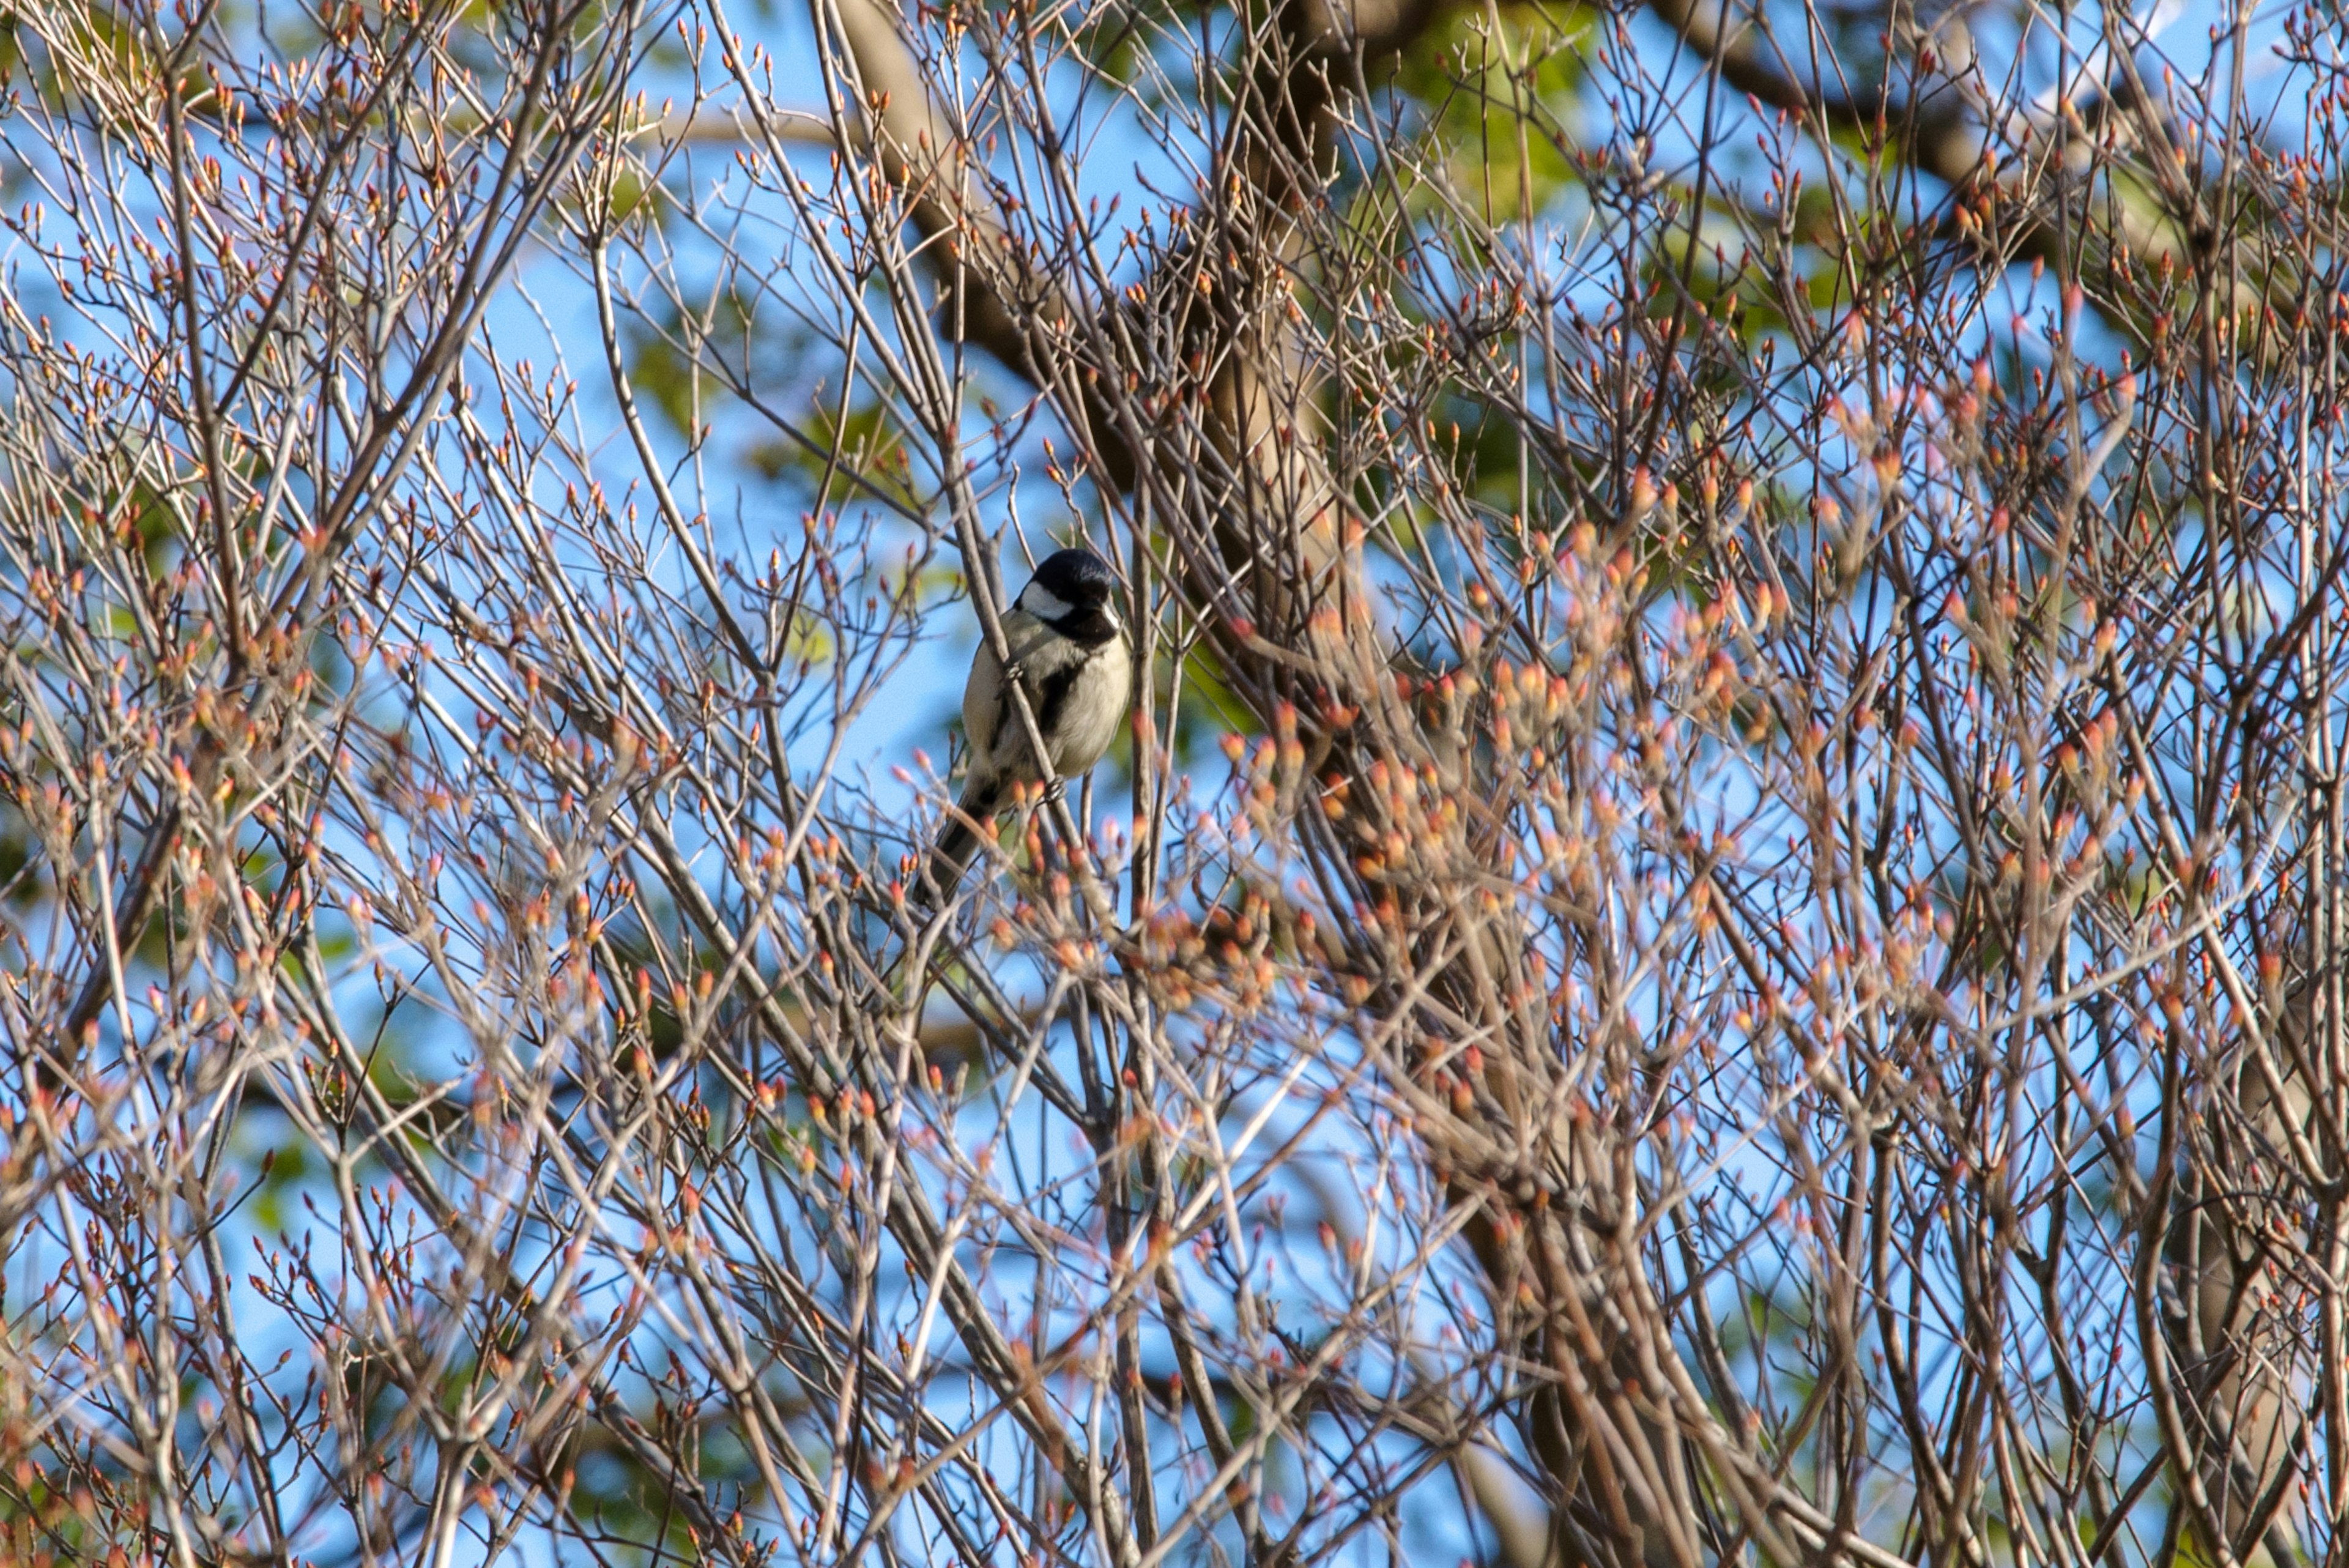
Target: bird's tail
{"points": [[950, 856]]}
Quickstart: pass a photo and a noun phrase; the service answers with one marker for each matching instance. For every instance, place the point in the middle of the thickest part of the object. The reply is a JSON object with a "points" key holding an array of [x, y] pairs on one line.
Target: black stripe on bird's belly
{"points": [[1052, 696]]}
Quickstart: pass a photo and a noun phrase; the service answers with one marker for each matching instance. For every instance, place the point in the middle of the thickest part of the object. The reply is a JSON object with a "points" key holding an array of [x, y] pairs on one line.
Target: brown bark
{"points": [[2235, 1334]]}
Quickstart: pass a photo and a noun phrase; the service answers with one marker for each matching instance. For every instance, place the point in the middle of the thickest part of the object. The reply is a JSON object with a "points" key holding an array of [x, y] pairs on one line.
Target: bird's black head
{"points": [[1074, 593], [1076, 577]]}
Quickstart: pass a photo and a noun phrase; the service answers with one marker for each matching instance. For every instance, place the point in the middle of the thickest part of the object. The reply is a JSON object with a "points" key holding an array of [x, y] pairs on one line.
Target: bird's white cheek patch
{"points": [[1042, 603]]}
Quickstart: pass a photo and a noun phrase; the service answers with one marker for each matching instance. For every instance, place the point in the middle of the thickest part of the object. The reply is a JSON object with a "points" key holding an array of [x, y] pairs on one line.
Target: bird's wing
{"points": [[984, 704], [998, 737]]}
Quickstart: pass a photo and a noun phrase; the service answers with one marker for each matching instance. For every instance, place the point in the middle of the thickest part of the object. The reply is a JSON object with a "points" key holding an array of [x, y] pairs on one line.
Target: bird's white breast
{"points": [[1097, 706]]}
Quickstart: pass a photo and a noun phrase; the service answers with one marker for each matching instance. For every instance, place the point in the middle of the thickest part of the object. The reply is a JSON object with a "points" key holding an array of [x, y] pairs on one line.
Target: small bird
{"points": [[1071, 657]]}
